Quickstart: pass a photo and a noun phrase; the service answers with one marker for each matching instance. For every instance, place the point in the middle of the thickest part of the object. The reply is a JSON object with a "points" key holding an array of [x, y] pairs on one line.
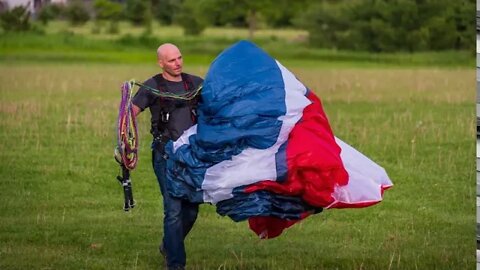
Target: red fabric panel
{"points": [[271, 227], [314, 168], [313, 160]]}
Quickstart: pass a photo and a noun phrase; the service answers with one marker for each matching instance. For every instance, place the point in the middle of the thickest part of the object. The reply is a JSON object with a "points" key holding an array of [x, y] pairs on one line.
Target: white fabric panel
{"points": [[366, 178], [184, 138], [216, 195], [295, 91]]}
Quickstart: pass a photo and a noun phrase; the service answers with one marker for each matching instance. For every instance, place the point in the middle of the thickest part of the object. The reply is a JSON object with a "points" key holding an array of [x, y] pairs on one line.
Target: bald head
{"points": [[166, 49], [170, 60]]}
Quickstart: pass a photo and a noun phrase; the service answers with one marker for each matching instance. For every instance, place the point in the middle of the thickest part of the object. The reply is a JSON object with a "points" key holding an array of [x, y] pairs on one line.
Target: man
{"points": [[169, 118]]}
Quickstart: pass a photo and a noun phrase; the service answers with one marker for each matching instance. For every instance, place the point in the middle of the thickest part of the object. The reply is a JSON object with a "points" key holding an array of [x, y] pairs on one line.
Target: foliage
{"points": [[193, 16], [113, 27], [360, 25], [76, 12], [164, 10], [400, 25], [229, 12], [238, 13], [462, 14], [107, 10], [252, 13], [15, 20], [49, 12], [284, 12], [139, 12]]}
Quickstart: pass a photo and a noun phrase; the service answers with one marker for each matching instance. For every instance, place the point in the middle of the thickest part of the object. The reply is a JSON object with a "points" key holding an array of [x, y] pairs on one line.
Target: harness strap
{"points": [[169, 105], [162, 84]]}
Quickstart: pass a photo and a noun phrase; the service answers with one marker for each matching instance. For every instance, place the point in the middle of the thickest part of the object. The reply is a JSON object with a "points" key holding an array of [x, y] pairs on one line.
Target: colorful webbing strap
{"points": [[165, 94], [127, 135]]}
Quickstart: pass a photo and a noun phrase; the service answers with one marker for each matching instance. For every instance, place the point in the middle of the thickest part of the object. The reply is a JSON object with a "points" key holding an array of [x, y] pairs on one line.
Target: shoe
{"points": [[163, 252]]}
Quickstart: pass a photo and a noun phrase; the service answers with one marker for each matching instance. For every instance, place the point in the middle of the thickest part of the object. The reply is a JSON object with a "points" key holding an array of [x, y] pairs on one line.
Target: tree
{"points": [[15, 20], [238, 12], [77, 13], [164, 10], [192, 16], [253, 11], [329, 25], [463, 18], [139, 12], [391, 25], [283, 12], [106, 10], [49, 12]]}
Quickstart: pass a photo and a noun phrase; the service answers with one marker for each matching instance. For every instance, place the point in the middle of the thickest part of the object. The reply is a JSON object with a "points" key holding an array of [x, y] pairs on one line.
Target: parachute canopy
{"points": [[263, 149]]}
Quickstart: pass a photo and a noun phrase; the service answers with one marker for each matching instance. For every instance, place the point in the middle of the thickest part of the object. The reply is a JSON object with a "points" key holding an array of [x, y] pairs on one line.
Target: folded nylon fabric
{"points": [[263, 148]]}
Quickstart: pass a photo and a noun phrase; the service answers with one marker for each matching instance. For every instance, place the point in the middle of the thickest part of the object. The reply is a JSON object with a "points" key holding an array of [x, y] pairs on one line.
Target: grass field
{"points": [[172, 31], [62, 206], [61, 43]]}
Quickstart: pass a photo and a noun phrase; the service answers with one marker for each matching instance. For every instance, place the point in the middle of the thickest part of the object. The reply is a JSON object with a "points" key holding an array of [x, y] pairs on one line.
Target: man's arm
{"points": [[136, 110]]}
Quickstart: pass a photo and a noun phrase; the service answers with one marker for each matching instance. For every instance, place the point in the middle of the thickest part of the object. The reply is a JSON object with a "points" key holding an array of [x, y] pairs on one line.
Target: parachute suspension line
{"points": [[127, 134], [186, 96], [127, 143]]}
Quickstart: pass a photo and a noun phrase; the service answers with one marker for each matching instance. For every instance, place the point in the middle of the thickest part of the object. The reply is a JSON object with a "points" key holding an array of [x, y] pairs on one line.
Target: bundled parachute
{"points": [[263, 149]]}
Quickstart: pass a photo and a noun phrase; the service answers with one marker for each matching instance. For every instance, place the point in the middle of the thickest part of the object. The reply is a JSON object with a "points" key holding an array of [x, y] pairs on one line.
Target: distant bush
{"points": [[164, 10], [15, 20], [387, 26], [76, 12], [141, 41], [50, 12], [113, 28], [106, 10], [192, 18], [97, 27], [138, 12]]}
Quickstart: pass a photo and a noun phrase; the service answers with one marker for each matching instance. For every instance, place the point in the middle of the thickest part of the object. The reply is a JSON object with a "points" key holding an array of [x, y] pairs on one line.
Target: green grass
{"points": [[61, 43], [174, 32], [62, 206]]}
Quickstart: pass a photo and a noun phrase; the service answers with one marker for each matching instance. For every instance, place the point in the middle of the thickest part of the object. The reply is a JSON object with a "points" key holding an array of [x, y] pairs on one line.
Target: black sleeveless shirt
{"points": [[179, 117]]}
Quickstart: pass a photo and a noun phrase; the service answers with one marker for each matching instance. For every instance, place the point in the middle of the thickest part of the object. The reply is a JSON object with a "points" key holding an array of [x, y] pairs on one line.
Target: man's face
{"points": [[171, 62]]}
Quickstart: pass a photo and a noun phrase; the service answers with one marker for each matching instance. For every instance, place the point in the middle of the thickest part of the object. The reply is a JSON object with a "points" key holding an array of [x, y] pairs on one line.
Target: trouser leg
{"points": [[173, 217], [189, 215]]}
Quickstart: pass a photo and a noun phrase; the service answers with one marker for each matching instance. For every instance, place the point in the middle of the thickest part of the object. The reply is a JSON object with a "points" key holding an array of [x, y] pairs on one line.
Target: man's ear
{"points": [[160, 63]]}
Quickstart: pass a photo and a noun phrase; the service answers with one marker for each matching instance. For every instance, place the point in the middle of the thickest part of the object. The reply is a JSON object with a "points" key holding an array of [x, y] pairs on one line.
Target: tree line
{"points": [[363, 25]]}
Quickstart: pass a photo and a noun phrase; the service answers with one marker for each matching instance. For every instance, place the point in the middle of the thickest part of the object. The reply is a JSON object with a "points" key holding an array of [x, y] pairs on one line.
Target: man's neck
{"points": [[171, 78]]}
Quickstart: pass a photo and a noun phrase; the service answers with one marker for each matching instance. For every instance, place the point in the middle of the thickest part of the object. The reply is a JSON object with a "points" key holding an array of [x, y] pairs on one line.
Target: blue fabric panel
{"points": [[242, 98], [281, 162], [263, 203]]}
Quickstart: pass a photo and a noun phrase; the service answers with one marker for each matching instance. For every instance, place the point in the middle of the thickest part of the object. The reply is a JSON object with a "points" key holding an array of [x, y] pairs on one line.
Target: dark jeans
{"points": [[179, 215]]}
